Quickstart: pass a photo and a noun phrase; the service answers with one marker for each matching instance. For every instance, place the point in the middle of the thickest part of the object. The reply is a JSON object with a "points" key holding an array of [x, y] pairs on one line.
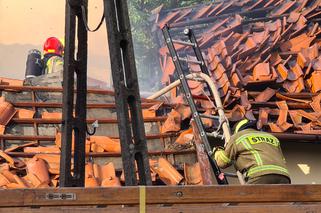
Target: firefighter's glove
{"points": [[215, 149]]}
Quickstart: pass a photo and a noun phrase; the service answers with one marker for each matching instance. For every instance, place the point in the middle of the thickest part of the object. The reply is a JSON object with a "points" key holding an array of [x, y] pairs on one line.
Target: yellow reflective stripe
{"points": [[223, 157], [239, 140], [253, 151], [240, 124], [266, 168], [49, 66], [51, 51]]}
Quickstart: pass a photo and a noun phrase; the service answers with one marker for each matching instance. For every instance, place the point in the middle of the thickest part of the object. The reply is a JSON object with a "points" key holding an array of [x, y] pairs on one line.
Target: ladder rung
{"points": [[230, 174], [214, 135], [210, 116], [191, 61], [184, 43]]}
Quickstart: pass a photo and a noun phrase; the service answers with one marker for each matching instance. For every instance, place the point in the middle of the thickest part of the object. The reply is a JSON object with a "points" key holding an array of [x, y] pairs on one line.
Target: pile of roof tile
{"points": [[263, 55], [35, 162]]}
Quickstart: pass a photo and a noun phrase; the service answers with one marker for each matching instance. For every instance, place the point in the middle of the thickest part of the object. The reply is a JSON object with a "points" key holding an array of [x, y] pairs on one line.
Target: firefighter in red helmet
{"points": [[53, 55]]}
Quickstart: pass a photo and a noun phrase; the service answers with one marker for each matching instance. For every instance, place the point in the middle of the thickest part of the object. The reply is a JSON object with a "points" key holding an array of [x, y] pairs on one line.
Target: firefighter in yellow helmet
{"points": [[53, 52], [257, 155]]}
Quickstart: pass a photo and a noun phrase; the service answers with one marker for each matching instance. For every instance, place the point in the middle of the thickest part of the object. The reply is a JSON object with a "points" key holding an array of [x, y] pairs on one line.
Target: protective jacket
{"points": [[253, 153], [52, 63]]}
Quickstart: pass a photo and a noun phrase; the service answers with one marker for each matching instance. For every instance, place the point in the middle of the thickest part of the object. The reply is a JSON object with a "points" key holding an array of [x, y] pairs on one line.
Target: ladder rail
{"points": [[221, 179]]}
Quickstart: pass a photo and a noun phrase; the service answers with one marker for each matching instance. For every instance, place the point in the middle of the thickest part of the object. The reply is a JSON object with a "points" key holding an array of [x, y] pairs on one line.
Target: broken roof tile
{"points": [[263, 117], [218, 72], [185, 137], [53, 162], [168, 19], [316, 64], [184, 111], [295, 72], [215, 8], [266, 95], [236, 114], [294, 86], [283, 8], [13, 162], [245, 101], [51, 115], [311, 52], [315, 104], [172, 123], [296, 44], [25, 113], [15, 148], [167, 173], [293, 17], [296, 119], [192, 174], [301, 60], [314, 81], [7, 111], [38, 167], [225, 6], [42, 149], [11, 82], [183, 15], [108, 144], [2, 129], [261, 71], [202, 12]]}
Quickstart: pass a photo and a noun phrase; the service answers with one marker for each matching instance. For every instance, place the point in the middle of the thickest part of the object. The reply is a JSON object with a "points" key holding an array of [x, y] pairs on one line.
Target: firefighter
{"points": [[53, 55], [257, 155]]}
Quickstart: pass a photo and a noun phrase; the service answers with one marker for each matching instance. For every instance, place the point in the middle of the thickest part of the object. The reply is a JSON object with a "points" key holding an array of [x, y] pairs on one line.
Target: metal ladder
{"points": [[220, 177]]}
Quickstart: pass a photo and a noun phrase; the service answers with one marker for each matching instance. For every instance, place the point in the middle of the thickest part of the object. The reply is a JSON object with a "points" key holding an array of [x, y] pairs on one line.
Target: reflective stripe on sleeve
{"points": [[223, 157]]}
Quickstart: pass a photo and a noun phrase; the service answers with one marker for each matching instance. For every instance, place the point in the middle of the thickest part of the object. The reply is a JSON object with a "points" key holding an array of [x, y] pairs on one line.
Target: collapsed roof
{"points": [[262, 55]]}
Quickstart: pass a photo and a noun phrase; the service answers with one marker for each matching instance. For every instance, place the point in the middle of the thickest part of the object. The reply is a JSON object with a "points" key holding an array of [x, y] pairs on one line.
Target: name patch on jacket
{"points": [[264, 139]]}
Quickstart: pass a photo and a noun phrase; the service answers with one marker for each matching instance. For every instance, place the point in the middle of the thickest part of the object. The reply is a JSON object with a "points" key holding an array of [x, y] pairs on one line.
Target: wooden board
{"points": [[186, 208], [163, 195]]}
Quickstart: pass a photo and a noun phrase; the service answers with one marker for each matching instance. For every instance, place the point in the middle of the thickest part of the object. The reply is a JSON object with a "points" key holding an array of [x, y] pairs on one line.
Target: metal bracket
{"points": [[60, 196], [94, 125]]}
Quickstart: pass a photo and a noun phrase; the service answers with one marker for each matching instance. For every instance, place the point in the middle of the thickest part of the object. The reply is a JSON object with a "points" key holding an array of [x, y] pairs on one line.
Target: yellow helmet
{"points": [[244, 124]]}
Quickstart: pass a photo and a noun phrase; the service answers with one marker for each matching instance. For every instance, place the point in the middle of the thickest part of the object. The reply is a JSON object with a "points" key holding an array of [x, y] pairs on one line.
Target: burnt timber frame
{"points": [[127, 98], [131, 133], [74, 125]]}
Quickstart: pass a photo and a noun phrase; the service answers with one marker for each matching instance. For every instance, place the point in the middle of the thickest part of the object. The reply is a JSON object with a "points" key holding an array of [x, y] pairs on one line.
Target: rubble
{"points": [[262, 55], [31, 140]]}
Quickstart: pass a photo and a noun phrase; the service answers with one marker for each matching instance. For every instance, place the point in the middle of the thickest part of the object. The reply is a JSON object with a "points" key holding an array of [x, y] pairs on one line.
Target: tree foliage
{"points": [[146, 50]]}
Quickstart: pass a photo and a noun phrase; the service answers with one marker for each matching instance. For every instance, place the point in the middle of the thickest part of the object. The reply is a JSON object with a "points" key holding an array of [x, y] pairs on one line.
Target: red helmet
{"points": [[53, 45]]}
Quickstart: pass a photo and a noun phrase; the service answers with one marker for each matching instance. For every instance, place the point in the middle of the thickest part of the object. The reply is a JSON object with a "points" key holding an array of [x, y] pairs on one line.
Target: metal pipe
{"points": [[184, 43], [191, 61]]}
